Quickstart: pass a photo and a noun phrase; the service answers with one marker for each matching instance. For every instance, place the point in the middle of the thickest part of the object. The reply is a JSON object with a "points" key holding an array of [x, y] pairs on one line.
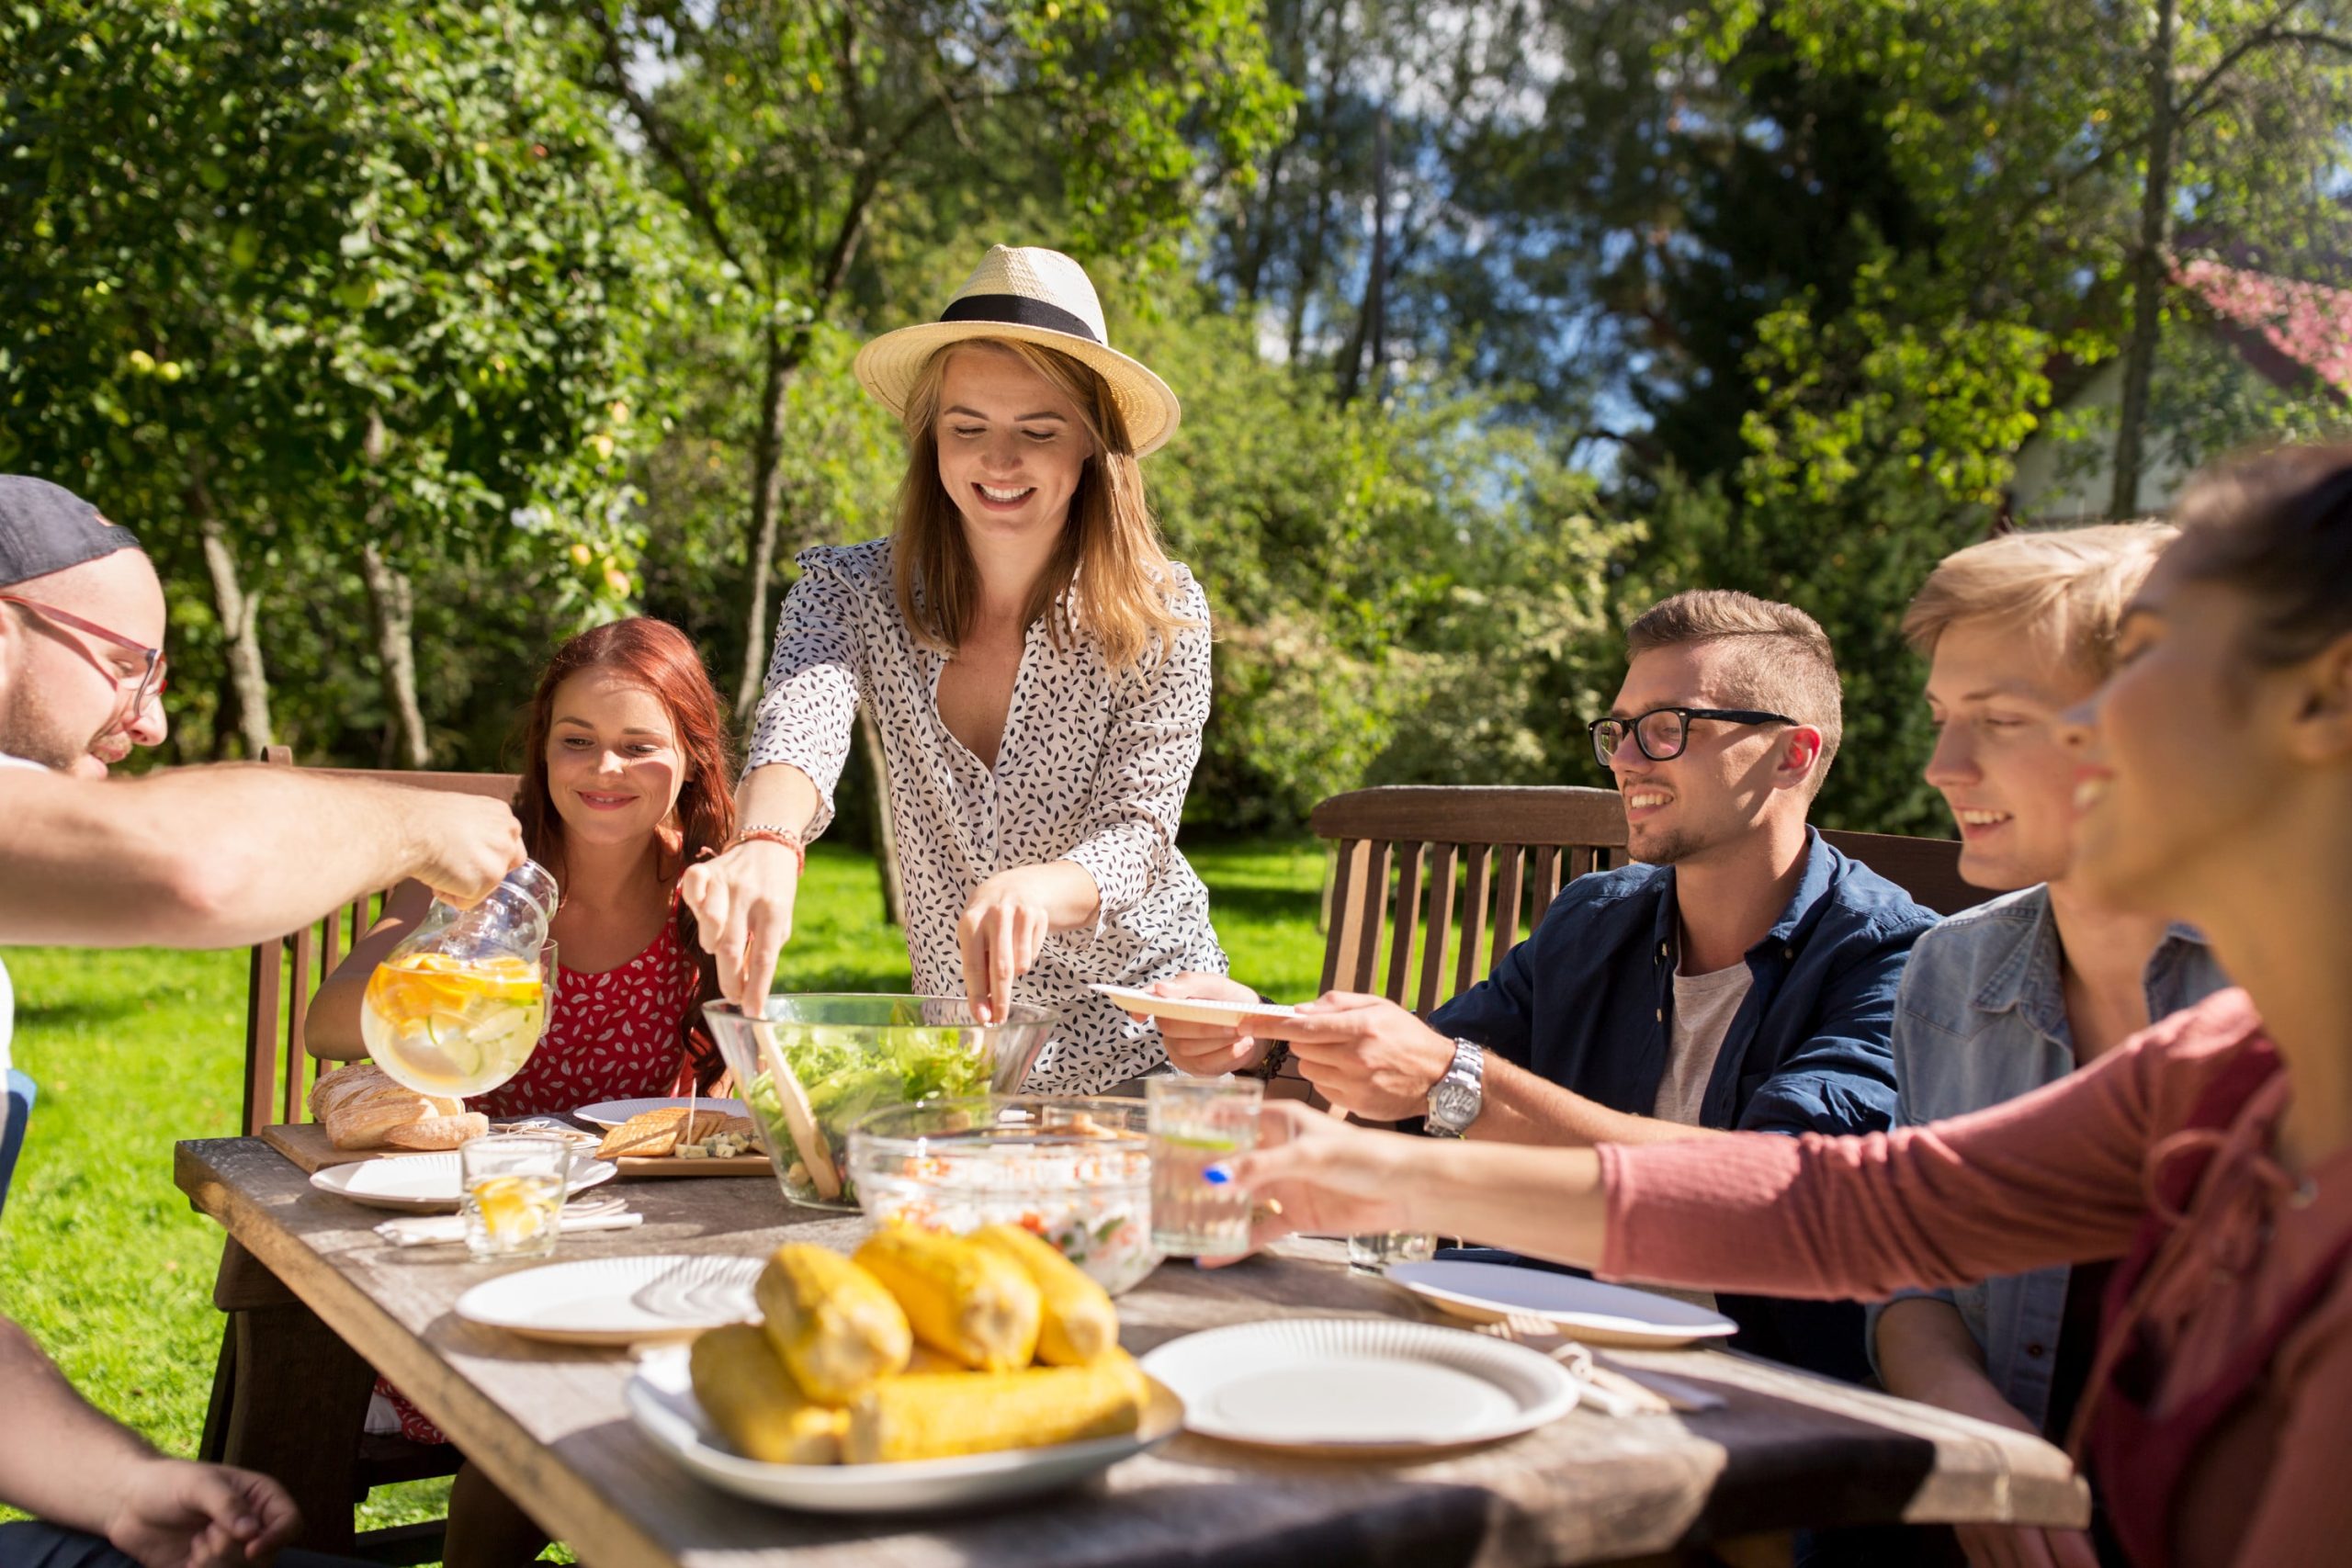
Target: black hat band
{"points": [[1019, 311]]}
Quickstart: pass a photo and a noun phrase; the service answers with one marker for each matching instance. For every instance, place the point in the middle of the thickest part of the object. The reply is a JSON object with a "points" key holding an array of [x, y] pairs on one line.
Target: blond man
{"points": [[2015, 993], [1741, 976]]}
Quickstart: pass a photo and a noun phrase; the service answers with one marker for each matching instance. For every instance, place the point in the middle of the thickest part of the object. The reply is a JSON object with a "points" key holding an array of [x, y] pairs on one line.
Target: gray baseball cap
{"points": [[46, 528]]}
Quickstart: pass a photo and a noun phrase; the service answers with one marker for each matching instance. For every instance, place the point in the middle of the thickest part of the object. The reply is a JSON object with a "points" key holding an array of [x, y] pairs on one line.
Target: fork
{"points": [[1610, 1390]]}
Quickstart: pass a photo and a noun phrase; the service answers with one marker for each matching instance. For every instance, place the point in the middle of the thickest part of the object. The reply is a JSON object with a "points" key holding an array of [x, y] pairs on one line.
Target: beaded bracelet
{"points": [[785, 836]]}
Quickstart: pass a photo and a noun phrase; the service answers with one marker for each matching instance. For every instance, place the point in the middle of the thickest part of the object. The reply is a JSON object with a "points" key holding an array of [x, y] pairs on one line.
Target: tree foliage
{"points": [[294, 280]]}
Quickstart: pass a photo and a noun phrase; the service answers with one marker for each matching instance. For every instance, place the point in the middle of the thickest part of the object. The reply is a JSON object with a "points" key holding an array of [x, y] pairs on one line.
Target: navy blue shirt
{"points": [[1588, 1002]]}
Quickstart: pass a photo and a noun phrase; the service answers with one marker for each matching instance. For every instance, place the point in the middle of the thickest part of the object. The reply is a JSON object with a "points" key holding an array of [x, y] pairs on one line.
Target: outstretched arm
{"points": [[217, 856]]}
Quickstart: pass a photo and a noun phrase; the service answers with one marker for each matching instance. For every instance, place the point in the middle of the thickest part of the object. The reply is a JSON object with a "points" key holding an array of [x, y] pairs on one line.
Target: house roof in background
{"points": [[2285, 328]]}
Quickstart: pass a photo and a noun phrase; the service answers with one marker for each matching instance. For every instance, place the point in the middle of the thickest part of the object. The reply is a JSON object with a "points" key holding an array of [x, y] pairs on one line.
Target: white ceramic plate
{"points": [[613, 1112], [426, 1184], [616, 1301], [1359, 1385], [1592, 1312], [1192, 1010], [660, 1400]]}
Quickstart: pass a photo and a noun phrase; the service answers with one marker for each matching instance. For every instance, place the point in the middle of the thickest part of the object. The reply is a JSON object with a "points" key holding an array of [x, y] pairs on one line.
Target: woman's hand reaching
{"points": [[742, 905], [1003, 930]]}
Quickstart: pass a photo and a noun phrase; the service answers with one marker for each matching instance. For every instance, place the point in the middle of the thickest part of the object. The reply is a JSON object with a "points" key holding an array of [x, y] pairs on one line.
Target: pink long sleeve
{"points": [[2055, 1177]]}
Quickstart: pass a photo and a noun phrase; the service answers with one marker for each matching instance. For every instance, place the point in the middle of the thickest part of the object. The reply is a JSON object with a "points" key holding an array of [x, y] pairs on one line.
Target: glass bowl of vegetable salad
{"points": [[1075, 1169], [816, 1062]]}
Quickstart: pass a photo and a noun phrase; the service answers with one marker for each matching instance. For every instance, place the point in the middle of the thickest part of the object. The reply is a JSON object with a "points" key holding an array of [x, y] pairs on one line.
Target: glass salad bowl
{"points": [[1075, 1169], [816, 1064]]}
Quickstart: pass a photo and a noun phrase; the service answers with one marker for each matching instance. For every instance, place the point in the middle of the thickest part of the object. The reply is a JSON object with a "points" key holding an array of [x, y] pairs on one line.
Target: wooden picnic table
{"points": [[546, 1422]]}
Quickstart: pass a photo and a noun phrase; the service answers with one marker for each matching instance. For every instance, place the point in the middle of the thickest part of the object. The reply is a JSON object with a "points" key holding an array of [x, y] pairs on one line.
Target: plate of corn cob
{"points": [[928, 1371]]}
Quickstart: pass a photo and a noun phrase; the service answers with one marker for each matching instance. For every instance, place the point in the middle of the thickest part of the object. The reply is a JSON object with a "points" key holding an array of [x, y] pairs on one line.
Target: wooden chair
{"points": [[1440, 881], [289, 1397]]}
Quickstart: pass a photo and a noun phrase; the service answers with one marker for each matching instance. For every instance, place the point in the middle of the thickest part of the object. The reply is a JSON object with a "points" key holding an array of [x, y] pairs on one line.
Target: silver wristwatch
{"points": [[1457, 1098]]}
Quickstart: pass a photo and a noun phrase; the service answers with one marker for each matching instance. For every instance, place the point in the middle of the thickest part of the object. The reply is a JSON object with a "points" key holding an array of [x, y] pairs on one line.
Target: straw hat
{"points": [[1037, 296]]}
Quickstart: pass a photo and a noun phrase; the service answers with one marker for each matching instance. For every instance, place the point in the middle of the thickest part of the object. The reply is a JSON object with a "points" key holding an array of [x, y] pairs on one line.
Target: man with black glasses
{"points": [[1741, 976]]}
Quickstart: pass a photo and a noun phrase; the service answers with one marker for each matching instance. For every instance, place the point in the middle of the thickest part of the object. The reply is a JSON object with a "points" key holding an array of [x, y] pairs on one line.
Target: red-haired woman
{"points": [[627, 778], [626, 781]]}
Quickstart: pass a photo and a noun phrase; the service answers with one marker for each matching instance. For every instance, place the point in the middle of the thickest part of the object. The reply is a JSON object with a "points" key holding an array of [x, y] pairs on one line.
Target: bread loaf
{"points": [[439, 1132], [362, 1108]]}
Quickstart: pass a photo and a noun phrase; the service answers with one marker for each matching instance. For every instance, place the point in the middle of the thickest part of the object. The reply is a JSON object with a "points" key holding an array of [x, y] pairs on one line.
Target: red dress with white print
{"points": [[610, 1036]]}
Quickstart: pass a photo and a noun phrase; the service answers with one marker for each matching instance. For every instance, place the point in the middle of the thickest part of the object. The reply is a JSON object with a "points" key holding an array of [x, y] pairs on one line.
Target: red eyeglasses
{"points": [[151, 681]]}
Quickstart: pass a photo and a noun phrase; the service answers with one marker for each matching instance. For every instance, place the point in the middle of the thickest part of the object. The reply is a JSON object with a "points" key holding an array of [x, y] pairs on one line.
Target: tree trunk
{"points": [[1370, 329], [240, 615], [885, 835], [2147, 271], [391, 609], [767, 495]]}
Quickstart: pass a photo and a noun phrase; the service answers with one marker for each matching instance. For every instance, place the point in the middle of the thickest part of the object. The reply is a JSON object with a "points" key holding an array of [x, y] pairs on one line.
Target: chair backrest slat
{"points": [[1474, 894], [1407, 923], [1439, 924], [1507, 893], [284, 972], [295, 1080], [264, 1007]]}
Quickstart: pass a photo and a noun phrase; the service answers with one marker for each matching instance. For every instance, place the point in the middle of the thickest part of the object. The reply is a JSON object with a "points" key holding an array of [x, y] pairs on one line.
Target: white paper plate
{"points": [[1592, 1312], [660, 1400], [428, 1184], [1359, 1385], [1192, 1010], [613, 1112], [616, 1301]]}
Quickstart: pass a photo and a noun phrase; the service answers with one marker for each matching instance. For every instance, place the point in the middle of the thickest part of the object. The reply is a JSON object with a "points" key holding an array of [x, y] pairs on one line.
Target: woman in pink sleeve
{"points": [[2211, 1156]]}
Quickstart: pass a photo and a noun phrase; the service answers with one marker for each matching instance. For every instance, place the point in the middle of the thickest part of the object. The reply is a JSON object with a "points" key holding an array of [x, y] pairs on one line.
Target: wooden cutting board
{"points": [[306, 1143], [737, 1165]]}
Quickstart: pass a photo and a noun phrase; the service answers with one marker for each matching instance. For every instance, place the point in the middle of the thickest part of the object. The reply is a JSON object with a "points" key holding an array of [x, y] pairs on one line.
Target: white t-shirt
{"points": [[1703, 1007], [7, 992]]}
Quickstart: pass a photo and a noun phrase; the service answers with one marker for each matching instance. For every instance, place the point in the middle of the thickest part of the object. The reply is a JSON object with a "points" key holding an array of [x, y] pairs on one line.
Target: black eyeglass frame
{"points": [[1620, 727], [151, 679]]}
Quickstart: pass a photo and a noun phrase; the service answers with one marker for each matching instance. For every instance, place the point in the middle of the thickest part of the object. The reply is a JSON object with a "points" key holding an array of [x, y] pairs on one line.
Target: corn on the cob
{"points": [[832, 1323], [973, 1305], [1079, 1321], [935, 1415], [746, 1391]]}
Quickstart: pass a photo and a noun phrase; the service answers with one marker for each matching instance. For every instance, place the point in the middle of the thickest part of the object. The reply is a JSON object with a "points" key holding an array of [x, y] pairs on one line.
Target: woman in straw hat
{"points": [[1037, 669]]}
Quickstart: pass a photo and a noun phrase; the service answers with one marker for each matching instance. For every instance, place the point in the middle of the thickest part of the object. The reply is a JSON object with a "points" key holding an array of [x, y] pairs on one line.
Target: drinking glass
{"points": [[1194, 1122], [514, 1185]]}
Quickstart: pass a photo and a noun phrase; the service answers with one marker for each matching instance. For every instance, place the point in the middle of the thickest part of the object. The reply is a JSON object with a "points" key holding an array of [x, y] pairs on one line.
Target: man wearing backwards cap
{"points": [[193, 857]]}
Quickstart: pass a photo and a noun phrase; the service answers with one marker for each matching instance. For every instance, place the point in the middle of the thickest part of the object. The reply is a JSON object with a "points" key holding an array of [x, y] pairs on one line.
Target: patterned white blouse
{"points": [[1092, 768]]}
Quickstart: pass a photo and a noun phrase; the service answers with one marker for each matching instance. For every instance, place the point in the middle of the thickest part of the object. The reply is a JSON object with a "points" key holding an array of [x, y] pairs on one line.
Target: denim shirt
{"points": [[1588, 1002], [1982, 1019]]}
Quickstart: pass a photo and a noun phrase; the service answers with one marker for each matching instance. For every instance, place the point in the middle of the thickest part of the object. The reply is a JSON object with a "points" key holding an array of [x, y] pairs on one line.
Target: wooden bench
{"points": [[289, 1397], [1433, 885]]}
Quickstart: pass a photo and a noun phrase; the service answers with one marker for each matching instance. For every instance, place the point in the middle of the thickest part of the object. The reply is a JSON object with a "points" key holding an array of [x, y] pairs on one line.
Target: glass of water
{"points": [[1194, 1122], [514, 1185]]}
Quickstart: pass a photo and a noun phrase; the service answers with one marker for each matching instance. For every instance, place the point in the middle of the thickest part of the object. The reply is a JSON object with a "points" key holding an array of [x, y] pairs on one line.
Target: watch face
{"points": [[1454, 1103]]}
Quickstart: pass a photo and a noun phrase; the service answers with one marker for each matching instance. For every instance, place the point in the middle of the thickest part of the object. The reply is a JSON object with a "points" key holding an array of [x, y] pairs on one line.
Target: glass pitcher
{"points": [[456, 1007]]}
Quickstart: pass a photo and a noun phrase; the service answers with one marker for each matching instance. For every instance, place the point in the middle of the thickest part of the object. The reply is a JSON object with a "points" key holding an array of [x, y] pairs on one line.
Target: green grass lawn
{"points": [[107, 1267]]}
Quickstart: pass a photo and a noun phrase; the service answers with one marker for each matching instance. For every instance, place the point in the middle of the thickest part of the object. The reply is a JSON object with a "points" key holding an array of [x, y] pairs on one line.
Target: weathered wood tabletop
{"points": [[546, 1422]]}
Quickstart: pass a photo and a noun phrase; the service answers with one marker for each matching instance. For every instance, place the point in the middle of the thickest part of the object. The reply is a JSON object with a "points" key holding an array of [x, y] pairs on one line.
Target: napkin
{"points": [[424, 1229]]}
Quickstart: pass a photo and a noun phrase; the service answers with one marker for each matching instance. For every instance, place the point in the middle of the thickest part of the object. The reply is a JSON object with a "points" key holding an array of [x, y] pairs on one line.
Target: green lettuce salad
{"points": [[848, 1071]]}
